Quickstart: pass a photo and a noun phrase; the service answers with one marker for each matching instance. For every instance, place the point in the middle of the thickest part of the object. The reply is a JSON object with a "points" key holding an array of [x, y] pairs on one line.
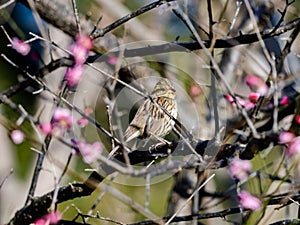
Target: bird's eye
{"points": [[160, 89]]}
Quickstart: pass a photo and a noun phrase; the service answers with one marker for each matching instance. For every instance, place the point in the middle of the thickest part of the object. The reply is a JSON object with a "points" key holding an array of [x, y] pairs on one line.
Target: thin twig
{"points": [[76, 15], [147, 191], [37, 18], [213, 90], [259, 36], [109, 117], [124, 198], [219, 43], [189, 199], [97, 216], [219, 73], [65, 168], [5, 178], [276, 95], [101, 32], [6, 4], [283, 13], [236, 13], [287, 48]]}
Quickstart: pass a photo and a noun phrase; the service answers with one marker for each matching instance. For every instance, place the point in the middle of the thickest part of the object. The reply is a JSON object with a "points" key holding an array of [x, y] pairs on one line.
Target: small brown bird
{"points": [[150, 119]]}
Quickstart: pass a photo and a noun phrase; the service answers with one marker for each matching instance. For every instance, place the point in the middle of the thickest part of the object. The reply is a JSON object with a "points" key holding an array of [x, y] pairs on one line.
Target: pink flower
{"points": [[46, 128], [40, 222], [82, 122], [240, 169], [286, 137], [248, 105], [17, 136], [85, 41], [113, 60], [20, 46], [73, 75], [293, 147], [248, 201], [80, 48], [229, 98], [243, 103], [50, 218], [284, 100], [297, 119], [79, 53], [256, 84], [253, 97], [90, 152], [53, 217], [62, 118], [195, 90]]}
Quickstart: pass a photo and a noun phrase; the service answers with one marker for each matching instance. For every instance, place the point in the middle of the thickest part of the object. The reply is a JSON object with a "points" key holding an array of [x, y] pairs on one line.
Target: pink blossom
{"points": [[20, 46], [253, 80], [294, 147], [297, 119], [62, 118], [256, 84], [286, 137], [284, 100], [50, 218], [248, 201], [80, 48], [195, 90], [229, 98], [248, 105], [53, 217], [46, 128], [113, 60], [253, 97], [240, 169], [73, 75], [40, 222], [90, 152], [82, 122], [232, 100], [243, 103], [85, 41], [17, 136], [75, 151], [79, 53]]}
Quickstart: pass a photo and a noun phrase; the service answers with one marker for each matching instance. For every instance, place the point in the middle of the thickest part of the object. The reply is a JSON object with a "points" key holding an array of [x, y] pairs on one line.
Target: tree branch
{"points": [[39, 206], [219, 43]]}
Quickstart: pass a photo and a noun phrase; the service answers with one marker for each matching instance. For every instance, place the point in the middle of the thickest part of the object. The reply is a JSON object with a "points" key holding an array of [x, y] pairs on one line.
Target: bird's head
{"points": [[164, 88]]}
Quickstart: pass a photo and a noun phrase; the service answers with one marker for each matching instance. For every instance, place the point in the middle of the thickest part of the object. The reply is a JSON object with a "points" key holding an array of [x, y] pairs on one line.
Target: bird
{"points": [[150, 119]]}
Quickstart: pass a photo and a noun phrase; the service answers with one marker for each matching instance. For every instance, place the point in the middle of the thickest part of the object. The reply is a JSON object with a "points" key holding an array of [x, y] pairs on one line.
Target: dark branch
{"points": [[226, 212], [39, 206], [219, 43], [101, 32], [62, 62], [219, 214], [61, 17]]}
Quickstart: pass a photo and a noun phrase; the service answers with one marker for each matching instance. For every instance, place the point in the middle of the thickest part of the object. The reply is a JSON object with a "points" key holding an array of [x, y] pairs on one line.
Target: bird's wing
{"points": [[131, 133], [137, 126]]}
